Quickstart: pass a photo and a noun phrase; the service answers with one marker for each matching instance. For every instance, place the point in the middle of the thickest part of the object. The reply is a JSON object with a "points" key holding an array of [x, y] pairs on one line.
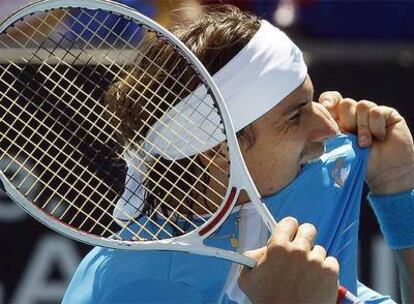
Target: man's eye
{"points": [[295, 117]]}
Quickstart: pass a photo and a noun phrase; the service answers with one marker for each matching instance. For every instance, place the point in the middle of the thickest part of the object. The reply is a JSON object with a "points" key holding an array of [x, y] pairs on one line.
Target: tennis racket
{"points": [[111, 130]]}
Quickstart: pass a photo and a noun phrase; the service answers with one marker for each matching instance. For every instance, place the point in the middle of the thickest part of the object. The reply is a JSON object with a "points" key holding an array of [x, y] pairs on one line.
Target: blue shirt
{"points": [[326, 193]]}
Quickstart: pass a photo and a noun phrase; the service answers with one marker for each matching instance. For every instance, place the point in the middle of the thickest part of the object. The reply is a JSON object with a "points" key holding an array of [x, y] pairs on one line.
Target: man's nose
{"points": [[321, 125]]}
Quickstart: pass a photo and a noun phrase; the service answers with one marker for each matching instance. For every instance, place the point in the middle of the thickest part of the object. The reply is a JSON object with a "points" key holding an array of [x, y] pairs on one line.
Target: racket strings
{"points": [[128, 42], [144, 108], [166, 112], [159, 68], [111, 135], [190, 222], [55, 190], [44, 113], [149, 155], [204, 209], [105, 228], [148, 125], [46, 184], [97, 222]]}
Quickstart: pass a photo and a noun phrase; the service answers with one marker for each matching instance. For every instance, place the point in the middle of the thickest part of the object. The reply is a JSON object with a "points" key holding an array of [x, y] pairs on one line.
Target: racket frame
{"points": [[240, 178]]}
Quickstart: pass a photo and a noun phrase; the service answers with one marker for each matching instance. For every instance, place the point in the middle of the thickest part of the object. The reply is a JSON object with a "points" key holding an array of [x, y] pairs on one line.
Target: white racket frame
{"points": [[240, 178]]}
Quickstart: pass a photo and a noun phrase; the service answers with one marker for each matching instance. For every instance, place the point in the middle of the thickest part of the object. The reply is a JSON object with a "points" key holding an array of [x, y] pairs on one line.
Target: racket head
{"points": [[49, 17]]}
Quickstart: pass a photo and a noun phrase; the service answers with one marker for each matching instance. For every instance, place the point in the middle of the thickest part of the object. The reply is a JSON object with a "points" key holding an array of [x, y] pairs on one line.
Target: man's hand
{"points": [[391, 162], [290, 269]]}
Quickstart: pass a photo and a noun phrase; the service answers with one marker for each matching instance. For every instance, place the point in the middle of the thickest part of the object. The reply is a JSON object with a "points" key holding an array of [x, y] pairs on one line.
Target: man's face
{"points": [[286, 137]]}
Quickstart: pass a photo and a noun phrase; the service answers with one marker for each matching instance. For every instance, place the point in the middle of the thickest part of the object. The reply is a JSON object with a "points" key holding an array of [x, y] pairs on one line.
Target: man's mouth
{"points": [[310, 161]]}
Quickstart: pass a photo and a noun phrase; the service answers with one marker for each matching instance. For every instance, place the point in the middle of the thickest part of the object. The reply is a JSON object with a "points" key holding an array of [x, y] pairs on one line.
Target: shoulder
{"points": [[104, 271], [111, 276]]}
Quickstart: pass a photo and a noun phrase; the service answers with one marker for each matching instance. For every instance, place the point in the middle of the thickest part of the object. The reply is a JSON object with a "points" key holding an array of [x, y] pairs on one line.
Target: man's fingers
{"points": [[330, 98], [284, 232], [364, 117], [378, 118], [362, 114], [330, 101], [305, 237], [331, 265], [318, 254], [256, 254], [347, 115]]}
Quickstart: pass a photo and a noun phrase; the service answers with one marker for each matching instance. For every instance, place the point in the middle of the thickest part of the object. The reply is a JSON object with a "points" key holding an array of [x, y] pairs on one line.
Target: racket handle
{"points": [[346, 297]]}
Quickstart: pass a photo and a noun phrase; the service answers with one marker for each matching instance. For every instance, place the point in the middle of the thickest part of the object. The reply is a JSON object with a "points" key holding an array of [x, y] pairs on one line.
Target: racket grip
{"points": [[346, 297]]}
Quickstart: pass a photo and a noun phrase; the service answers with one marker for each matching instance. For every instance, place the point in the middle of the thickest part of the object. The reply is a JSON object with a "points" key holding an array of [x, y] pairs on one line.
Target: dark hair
{"points": [[215, 38]]}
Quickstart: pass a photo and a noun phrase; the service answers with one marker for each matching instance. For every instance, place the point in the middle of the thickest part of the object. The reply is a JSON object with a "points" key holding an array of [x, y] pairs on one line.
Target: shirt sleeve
{"points": [[122, 276], [140, 291], [369, 296]]}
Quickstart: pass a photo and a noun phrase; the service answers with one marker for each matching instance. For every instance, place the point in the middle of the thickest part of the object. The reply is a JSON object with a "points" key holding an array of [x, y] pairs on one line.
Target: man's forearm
{"points": [[405, 262], [395, 214]]}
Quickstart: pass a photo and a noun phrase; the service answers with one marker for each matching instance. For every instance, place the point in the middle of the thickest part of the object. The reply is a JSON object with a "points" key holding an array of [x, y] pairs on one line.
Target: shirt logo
{"points": [[340, 172]]}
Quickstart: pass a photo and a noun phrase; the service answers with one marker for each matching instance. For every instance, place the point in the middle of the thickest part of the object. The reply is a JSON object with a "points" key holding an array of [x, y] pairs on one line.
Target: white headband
{"points": [[264, 72]]}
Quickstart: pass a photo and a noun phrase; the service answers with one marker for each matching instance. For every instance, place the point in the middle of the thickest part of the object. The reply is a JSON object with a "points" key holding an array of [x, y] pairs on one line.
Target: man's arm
{"points": [[390, 175], [395, 214]]}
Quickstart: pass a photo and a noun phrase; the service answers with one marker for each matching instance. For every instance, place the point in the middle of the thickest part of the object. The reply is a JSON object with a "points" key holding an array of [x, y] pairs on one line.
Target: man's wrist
{"points": [[395, 213], [393, 181]]}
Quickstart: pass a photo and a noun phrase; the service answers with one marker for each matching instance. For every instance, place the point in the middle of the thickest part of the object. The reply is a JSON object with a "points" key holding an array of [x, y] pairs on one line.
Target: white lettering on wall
{"points": [[383, 268], [35, 284]]}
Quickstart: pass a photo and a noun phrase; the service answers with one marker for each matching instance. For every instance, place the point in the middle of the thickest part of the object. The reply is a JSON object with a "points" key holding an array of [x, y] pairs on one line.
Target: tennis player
{"points": [[309, 172]]}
